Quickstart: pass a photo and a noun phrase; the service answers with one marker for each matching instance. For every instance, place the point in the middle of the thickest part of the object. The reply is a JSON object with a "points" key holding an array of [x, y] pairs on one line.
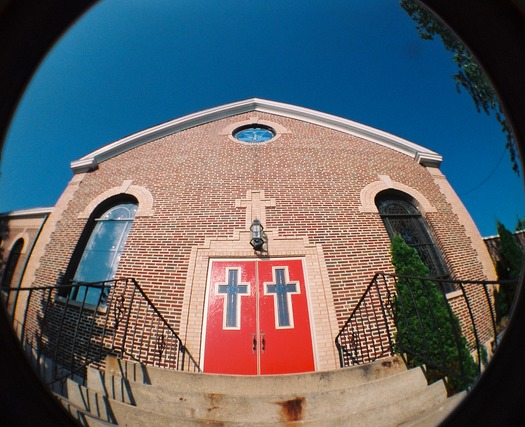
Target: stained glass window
{"points": [[254, 133], [402, 217]]}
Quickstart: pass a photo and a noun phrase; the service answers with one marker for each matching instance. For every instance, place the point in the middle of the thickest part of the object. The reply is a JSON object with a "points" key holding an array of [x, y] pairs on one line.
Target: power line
{"points": [[489, 175]]}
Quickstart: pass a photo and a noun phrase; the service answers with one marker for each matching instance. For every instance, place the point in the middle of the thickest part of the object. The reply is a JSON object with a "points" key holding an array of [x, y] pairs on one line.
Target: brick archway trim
{"points": [[143, 196], [369, 193]]}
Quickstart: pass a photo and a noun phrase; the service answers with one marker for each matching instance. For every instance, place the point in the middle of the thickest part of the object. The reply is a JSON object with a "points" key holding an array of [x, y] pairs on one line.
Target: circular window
{"points": [[254, 133]]}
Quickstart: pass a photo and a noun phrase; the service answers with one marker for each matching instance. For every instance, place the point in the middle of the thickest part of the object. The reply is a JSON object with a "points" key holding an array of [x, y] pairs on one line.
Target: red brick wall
{"points": [[315, 175]]}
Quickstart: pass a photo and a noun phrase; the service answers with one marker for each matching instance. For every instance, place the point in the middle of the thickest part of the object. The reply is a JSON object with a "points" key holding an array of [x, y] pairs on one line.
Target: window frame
{"points": [[82, 244], [439, 267]]}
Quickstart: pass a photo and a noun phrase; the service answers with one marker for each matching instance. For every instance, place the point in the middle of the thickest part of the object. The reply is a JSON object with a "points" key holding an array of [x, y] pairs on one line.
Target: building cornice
{"points": [[420, 154], [27, 213]]}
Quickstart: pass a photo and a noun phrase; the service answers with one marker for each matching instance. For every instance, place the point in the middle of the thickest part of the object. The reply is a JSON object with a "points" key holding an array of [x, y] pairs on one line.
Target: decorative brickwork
{"points": [[143, 196], [313, 188]]}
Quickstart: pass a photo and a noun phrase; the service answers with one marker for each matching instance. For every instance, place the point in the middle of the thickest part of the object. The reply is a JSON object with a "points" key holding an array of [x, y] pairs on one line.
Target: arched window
{"points": [[400, 216], [101, 254], [12, 263]]}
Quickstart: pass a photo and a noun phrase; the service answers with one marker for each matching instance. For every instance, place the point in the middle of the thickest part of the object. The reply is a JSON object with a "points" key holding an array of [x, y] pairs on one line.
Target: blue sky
{"points": [[128, 65]]}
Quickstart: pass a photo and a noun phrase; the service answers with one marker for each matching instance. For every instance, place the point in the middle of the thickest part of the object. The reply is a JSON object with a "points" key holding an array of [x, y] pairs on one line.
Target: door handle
{"points": [[254, 343], [263, 342]]}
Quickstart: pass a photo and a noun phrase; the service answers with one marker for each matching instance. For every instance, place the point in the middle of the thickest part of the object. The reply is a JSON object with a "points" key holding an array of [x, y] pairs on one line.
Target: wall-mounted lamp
{"points": [[258, 237]]}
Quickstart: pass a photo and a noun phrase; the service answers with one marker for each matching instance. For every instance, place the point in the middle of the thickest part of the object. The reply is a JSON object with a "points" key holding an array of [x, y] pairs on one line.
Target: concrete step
{"points": [[84, 419], [436, 415], [114, 387], [389, 414], [379, 413], [380, 394], [360, 391], [133, 416], [225, 406], [396, 412], [89, 402], [395, 395], [257, 385]]}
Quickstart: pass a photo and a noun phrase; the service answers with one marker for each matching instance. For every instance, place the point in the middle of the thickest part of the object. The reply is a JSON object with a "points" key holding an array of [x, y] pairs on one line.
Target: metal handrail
{"points": [[371, 330], [63, 335], [353, 339]]}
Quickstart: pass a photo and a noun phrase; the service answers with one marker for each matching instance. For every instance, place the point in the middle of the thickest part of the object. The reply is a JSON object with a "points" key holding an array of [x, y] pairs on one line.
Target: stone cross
{"points": [[255, 204]]}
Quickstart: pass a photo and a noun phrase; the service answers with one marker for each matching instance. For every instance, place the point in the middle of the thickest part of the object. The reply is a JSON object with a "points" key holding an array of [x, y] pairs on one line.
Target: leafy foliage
{"points": [[470, 76], [508, 268], [427, 330], [520, 225]]}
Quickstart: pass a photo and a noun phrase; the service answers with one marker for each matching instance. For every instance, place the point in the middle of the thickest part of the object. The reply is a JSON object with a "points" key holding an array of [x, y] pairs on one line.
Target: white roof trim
{"points": [[420, 154], [27, 212]]}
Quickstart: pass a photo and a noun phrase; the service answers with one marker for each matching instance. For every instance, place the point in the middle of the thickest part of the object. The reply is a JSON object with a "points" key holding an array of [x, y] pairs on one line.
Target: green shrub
{"points": [[507, 268], [428, 333]]}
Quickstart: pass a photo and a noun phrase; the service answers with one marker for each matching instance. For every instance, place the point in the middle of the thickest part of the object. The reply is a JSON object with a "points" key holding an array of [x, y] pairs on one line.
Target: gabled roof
{"points": [[420, 154]]}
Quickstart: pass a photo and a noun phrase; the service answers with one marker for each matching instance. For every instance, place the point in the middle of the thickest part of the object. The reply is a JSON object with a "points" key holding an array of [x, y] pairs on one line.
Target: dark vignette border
{"points": [[494, 30]]}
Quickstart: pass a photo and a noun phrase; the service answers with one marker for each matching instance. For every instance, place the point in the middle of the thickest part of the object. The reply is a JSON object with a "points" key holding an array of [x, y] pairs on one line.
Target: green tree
{"points": [[427, 330], [520, 225], [507, 268], [470, 77]]}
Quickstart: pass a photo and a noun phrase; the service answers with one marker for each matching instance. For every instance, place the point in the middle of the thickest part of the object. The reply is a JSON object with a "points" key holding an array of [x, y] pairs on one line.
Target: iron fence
{"points": [[65, 328], [389, 320]]}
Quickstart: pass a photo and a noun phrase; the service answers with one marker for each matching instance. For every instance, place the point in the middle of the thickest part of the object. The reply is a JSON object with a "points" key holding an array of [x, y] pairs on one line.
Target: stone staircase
{"points": [[383, 393]]}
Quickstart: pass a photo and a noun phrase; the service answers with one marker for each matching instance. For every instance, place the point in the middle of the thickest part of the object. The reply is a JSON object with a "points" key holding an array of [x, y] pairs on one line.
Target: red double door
{"points": [[257, 318]]}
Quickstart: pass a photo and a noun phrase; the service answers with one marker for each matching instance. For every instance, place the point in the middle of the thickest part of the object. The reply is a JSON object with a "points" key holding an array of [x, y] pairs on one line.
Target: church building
{"points": [[253, 227]]}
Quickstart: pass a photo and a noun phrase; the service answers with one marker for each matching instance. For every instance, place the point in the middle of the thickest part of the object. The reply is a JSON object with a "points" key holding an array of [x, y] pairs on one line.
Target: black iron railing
{"points": [[65, 328], [379, 323], [367, 335]]}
